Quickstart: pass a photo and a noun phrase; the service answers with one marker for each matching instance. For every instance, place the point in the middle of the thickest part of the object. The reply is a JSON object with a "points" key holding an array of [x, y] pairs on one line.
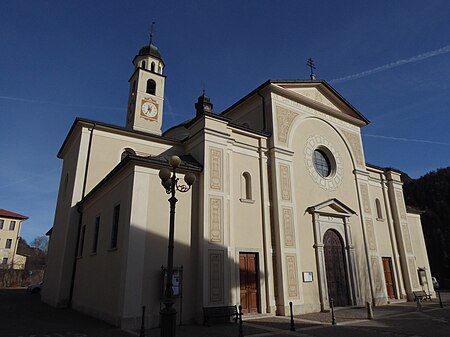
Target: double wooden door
{"points": [[248, 273], [335, 268], [389, 277]]}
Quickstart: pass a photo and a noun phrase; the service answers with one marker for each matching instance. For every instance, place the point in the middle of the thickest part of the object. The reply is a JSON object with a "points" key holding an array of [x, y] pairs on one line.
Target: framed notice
{"points": [[177, 281], [307, 276]]}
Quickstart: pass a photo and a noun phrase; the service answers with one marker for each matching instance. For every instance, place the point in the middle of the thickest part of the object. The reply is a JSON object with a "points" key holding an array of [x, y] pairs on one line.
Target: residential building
{"points": [[10, 225]]}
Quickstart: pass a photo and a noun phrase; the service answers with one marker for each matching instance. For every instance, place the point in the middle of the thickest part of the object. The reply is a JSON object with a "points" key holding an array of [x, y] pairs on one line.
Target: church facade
{"points": [[284, 208]]}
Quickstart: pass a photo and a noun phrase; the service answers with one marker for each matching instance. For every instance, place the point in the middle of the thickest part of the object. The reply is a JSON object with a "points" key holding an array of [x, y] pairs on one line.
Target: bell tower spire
{"points": [[146, 97]]}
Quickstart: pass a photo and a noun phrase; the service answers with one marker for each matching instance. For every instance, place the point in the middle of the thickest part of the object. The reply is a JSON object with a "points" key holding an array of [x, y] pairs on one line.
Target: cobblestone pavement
{"points": [[24, 315]]}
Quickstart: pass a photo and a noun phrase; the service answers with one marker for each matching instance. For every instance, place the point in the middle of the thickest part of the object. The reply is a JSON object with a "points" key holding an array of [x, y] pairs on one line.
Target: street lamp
{"points": [[170, 183]]}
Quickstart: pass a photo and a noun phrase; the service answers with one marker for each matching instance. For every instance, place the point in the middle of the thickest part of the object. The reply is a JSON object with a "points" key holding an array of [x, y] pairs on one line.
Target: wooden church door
{"points": [[248, 273], [335, 268], [389, 277]]}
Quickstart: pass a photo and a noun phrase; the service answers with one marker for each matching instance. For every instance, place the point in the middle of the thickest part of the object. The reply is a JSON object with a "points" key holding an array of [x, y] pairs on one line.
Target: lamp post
{"points": [[170, 183]]}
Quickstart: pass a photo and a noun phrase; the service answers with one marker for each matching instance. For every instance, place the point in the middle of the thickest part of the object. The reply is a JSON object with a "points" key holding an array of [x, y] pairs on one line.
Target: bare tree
{"points": [[41, 242]]}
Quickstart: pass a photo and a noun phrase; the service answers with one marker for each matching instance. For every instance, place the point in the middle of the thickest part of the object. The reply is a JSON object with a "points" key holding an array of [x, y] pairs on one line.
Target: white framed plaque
{"points": [[307, 276]]}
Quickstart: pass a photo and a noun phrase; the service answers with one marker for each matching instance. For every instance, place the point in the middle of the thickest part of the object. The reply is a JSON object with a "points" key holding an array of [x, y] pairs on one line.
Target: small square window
{"points": [[12, 225], [5, 260]]}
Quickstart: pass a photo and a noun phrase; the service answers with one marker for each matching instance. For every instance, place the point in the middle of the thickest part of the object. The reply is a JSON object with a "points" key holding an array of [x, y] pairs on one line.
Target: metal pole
{"points": [[292, 318], [440, 300], [369, 310], [333, 318], [169, 313], [419, 304], [241, 331], [142, 331]]}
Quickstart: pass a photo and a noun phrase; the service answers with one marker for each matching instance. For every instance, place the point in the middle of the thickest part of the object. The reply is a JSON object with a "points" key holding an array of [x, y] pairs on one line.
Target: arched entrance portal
{"points": [[335, 268]]}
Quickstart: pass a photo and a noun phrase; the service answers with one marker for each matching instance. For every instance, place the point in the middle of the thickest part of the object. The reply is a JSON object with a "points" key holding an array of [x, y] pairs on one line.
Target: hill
{"points": [[431, 193]]}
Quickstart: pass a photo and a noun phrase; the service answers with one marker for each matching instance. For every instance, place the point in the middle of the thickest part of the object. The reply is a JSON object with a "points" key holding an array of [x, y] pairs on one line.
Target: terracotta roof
{"points": [[7, 214]]}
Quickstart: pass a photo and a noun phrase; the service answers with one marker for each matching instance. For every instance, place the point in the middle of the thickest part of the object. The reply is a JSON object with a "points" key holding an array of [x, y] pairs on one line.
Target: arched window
{"points": [[152, 67], [379, 212], [143, 64], [126, 153], [151, 87], [160, 69], [247, 186]]}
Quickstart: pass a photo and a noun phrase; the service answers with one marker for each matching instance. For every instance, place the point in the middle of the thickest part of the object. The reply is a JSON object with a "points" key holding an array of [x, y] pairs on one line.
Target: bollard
{"points": [[292, 317], [241, 331], [333, 318], [369, 310], [419, 304], [440, 300], [142, 330]]}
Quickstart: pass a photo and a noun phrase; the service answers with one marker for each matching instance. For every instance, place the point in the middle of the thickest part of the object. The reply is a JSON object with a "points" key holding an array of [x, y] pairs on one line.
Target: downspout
{"points": [[264, 110], [80, 219], [87, 160]]}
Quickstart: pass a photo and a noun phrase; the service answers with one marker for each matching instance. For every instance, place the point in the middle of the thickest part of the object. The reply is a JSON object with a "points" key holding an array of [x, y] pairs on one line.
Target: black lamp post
{"points": [[168, 314]]}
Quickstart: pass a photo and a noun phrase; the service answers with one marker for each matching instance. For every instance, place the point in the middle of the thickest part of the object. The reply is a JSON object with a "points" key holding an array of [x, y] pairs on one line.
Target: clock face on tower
{"points": [[149, 110]]}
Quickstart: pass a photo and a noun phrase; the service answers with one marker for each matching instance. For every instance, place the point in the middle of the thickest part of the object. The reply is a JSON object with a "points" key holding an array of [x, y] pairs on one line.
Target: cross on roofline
{"points": [[311, 65]]}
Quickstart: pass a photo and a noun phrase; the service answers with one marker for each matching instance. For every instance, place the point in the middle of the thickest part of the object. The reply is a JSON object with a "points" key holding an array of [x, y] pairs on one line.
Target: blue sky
{"points": [[63, 59]]}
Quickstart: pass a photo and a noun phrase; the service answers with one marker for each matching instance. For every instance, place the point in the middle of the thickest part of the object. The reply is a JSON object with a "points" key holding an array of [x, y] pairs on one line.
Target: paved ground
{"points": [[23, 315]]}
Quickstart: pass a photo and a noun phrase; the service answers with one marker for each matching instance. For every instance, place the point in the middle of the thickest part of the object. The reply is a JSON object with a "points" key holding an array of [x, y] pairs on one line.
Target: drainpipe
{"points": [[87, 160], [264, 110]]}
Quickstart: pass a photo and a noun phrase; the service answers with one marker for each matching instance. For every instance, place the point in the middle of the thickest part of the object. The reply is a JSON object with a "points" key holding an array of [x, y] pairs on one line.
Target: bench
{"points": [[224, 312], [421, 295]]}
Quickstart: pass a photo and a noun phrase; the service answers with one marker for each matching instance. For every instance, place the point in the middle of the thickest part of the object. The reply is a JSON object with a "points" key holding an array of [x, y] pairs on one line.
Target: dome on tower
{"points": [[150, 50]]}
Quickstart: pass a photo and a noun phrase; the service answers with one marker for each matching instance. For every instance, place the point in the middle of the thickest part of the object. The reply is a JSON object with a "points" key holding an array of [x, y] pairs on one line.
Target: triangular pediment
{"points": [[332, 206], [321, 96]]}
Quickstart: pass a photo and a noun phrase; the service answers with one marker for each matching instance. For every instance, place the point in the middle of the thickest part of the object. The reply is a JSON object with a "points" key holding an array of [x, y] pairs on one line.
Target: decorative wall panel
{"points": [[365, 198], [215, 276], [371, 235], [401, 205], [292, 279], [413, 273], [216, 219], [355, 145], [407, 239], [289, 232], [216, 169], [285, 118], [285, 182]]}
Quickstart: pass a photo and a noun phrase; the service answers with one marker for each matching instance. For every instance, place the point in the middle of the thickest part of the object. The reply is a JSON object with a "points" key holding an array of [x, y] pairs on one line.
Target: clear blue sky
{"points": [[63, 59]]}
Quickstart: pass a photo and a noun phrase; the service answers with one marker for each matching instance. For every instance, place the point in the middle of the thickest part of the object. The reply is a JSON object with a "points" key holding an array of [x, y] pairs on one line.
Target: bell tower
{"points": [[145, 101]]}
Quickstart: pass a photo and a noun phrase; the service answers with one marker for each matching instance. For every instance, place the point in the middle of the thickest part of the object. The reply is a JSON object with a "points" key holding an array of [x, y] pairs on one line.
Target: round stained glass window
{"points": [[322, 163]]}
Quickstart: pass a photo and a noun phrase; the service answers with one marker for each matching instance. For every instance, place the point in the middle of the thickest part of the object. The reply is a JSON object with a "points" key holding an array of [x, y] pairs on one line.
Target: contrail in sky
{"points": [[20, 99], [420, 57], [407, 139]]}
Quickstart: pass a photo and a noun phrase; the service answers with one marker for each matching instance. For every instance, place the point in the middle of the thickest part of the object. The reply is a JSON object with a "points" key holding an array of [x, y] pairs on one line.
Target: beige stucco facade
{"points": [[260, 209]]}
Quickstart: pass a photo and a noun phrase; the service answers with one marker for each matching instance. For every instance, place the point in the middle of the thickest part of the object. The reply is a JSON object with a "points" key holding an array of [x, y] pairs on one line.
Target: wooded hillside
{"points": [[431, 193]]}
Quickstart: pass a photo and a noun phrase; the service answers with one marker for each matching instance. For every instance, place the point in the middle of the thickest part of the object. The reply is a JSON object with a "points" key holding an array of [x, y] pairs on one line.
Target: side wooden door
{"points": [[248, 273], [389, 277]]}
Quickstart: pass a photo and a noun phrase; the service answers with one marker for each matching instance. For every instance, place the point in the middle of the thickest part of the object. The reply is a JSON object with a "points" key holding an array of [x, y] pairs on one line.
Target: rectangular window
{"points": [[12, 225], [8, 243], [5, 260], [2, 222], [115, 227], [80, 247], [96, 230]]}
